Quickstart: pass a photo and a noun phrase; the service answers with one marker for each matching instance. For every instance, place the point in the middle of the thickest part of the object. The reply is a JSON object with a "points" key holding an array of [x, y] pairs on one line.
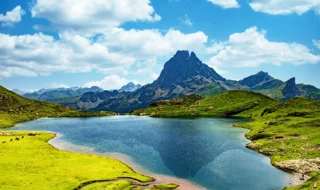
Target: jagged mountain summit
{"points": [[184, 66], [130, 87], [182, 75]]}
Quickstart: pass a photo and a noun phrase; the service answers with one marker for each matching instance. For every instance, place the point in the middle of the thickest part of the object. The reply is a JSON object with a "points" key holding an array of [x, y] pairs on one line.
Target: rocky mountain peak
{"points": [[262, 73], [130, 87], [181, 54], [256, 79], [291, 90], [183, 66]]}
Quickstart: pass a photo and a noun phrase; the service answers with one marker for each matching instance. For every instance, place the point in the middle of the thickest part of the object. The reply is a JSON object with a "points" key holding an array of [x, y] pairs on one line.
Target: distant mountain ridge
{"points": [[184, 74], [49, 94], [130, 87]]}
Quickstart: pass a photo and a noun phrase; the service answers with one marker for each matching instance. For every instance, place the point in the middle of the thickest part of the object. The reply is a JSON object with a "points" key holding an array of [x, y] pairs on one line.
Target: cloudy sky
{"points": [[62, 43]]}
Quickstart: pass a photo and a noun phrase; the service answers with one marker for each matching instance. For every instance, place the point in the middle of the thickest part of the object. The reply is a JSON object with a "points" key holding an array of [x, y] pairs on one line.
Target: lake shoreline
{"points": [[159, 178], [294, 179]]}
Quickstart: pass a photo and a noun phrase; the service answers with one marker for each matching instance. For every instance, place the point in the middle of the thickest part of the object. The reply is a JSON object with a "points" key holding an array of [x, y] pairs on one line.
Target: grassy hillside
{"points": [[238, 103], [275, 92], [31, 163], [211, 89], [288, 132], [15, 109]]}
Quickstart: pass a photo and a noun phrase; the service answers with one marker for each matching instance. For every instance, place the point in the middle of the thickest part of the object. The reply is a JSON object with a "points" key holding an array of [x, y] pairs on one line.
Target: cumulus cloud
{"points": [[112, 82], [11, 17], [16, 71], [226, 4], [316, 43], [251, 48], [41, 54], [284, 7], [92, 17], [113, 53], [152, 43]]}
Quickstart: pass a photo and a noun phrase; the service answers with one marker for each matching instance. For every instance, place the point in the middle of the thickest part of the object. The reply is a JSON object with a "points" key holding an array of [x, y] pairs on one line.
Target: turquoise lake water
{"points": [[206, 151]]}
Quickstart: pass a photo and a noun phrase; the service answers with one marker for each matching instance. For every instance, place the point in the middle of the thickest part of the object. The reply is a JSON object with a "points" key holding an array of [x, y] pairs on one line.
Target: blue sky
{"points": [[60, 43]]}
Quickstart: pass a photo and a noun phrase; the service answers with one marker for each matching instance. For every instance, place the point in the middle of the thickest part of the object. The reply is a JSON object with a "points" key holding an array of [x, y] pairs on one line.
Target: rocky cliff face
{"points": [[183, 66], [291, 90]]}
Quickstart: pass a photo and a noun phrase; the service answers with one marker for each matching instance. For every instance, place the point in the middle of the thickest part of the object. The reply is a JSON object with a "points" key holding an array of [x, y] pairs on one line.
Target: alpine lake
{"points": [[209, 152]]}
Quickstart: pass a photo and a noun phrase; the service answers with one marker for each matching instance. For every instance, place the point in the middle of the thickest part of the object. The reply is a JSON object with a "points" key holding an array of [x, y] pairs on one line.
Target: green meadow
{"points": [[31, 163]]}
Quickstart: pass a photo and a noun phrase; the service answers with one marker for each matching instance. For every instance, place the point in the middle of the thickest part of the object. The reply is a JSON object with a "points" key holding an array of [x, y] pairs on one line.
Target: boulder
{"points": [[303, 166]]}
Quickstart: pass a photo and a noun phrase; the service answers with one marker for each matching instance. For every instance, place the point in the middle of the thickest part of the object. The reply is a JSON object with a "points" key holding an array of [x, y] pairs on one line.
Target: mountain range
{"points": [[182, 75], [66, 95]]}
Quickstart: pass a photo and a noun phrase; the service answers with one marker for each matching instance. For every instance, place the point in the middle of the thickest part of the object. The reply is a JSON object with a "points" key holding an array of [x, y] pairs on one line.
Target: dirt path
{"points": [[135, 181]]}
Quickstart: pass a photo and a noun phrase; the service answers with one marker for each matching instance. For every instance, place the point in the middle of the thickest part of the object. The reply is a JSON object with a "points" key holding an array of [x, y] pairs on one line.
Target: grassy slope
{"points": [[232, 103], [15, 109], [288, 131], [275, 93], [284, 131], [31, 163], [211, 89]]}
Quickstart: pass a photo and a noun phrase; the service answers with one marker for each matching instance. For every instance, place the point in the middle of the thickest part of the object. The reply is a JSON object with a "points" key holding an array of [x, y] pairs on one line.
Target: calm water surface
{"points": [[207, 151]]}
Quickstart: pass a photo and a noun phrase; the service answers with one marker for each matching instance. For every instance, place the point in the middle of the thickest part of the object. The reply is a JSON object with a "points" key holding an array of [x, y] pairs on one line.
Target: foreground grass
{"points": [[288, 132], [128, 185], [31, 163]]}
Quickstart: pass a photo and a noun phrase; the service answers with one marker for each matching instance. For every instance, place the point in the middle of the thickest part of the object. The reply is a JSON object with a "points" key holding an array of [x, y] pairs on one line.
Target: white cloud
{"points": [[151, 43], [226, 4], [112, 82], [40, 54], [216, 47], [11, 17], [16, 71], [186, 21], [92, 17], [316, 43], [251, 48], [113, 53], [285, 7], [59, 85]]}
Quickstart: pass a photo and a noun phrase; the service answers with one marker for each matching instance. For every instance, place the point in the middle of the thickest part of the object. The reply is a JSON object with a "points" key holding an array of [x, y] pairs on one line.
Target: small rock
{"points": [[209, 108]]}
